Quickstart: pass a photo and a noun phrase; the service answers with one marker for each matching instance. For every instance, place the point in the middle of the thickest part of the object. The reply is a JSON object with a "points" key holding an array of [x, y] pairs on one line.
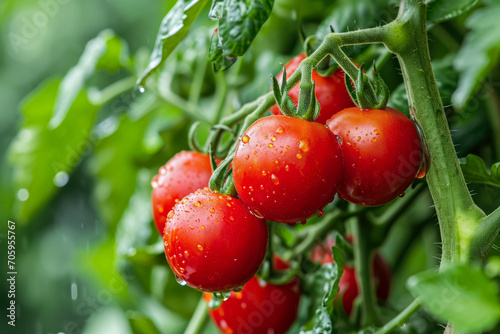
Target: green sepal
{"points": [[313, 110]]}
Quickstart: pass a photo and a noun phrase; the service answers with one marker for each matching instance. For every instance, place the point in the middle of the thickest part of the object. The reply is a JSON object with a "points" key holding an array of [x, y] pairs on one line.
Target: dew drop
{"points": [[170, 214], [186, 253], [374, 139], [202, 227], [304, 145], [231, 217], [254, 152], [200, 247], [299, 156], [180, 280], [303, 222], [275, 179], [261, 187], [247, 157], [245, 139], [270, 145], [163, 170], [287, 168], [264, 173], [141, 89], [257, 214], [359, 138], [280, 130], [212, 210], [319, 213], [197, 204], [273, 138], [154, 182], [340, 140], [402, 194], [159, 208]]}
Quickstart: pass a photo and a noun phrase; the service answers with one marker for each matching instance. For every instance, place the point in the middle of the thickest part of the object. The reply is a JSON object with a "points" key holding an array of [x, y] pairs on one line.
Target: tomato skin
{"points": [[330, 91], [259, 308], [348, 285], [382, 154], [183, 174], [213, 242], [286, 169]]}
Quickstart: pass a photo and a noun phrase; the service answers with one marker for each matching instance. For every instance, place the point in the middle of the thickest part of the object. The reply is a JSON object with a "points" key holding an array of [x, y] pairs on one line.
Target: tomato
{"points": [[213, 242], [330, 91], [259, 308], [181, 175], [286, 169], [382, 154], [348, 285]]}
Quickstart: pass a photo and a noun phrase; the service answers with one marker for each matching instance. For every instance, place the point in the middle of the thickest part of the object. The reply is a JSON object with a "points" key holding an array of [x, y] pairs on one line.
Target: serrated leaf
{"points": [[44, 157], [475, 170], [444, 10], [106, 51], [174, 27], [240, 23], [480, 51], [326, 287], [459, 294]]}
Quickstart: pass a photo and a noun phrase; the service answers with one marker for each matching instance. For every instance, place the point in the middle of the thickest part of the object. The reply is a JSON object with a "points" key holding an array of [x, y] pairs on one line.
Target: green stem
{"points": [[401, 318], [370, 314], [112, 91], [457, 213], [199, 319], [485, 235]]}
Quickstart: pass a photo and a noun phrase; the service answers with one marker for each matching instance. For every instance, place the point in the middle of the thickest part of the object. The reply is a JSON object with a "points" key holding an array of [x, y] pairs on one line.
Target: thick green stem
{"points": [[401, 318], [457, 213], [199, 319], [370, 314]]}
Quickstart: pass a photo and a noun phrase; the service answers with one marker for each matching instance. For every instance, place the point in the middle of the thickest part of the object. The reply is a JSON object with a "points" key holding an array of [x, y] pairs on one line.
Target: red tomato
{"points": [[213, 242], [181, 175], [381, 151], [259, 308], [348, 285], [331, 92], [286, 169]]}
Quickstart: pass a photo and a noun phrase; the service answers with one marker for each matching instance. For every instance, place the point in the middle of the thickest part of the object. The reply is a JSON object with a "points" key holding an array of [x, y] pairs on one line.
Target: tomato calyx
{"points": [[287, 106], [364, 94]]}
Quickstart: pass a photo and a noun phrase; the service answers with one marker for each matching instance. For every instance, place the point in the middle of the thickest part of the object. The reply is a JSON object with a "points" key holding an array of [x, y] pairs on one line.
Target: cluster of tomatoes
{"points": [[285, 170]]}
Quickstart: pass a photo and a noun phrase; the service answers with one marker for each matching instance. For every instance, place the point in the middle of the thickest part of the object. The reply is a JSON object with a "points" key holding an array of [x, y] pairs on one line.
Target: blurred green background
{"points": [[88, 257]]}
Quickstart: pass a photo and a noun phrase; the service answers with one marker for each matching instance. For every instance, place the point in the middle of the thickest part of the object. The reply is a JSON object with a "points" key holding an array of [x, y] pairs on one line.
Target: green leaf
{"points": [[173, 29], [106, 51], [460, 294], [325, 288], [141, 324], [475, 170], [42, 157], [445, 10], [480, 51], [115, 162], [240, 23]]}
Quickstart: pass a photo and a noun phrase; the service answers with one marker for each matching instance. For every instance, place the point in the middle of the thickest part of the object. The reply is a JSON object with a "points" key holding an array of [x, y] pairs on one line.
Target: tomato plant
{"points": [[381, 151], [331, 91], [387, 131], [180, 176], [286, 169]]}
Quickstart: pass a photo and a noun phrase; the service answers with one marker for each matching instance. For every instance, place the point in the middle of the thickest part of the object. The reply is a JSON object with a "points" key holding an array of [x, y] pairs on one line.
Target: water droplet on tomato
{"points": [[200, 247], [273, 138], [245, 139], [170, 214], [238, 294], [257, 214], [304, 145], [202, 227], [275, 179], [186, 253], [280, 130], [299, 156], [303, 222], [247, 157], [197, 203], [270, 145], [359, 138], [374, 139], [163, 170], [154, 182], [231, 217], [261, 187], [319, 213], [254, 152], [212, 210], [264, 173], [159, 208], [287, 168], [180, 280]]}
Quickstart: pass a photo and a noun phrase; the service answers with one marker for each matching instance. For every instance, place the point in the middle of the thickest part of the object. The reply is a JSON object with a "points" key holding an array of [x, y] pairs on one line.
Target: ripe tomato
{"points": [[286, 169], [382, 154], [181, 175], [348, 285], [259, 308], [331, 92], [213, 242]]}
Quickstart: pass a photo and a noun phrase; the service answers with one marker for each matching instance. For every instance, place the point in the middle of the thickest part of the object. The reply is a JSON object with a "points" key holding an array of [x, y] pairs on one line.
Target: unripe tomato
{"points": [[213, 242], [286, 169], [348, 285], [382, 154], [181, 175], [259, 308], [330, 91]]}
